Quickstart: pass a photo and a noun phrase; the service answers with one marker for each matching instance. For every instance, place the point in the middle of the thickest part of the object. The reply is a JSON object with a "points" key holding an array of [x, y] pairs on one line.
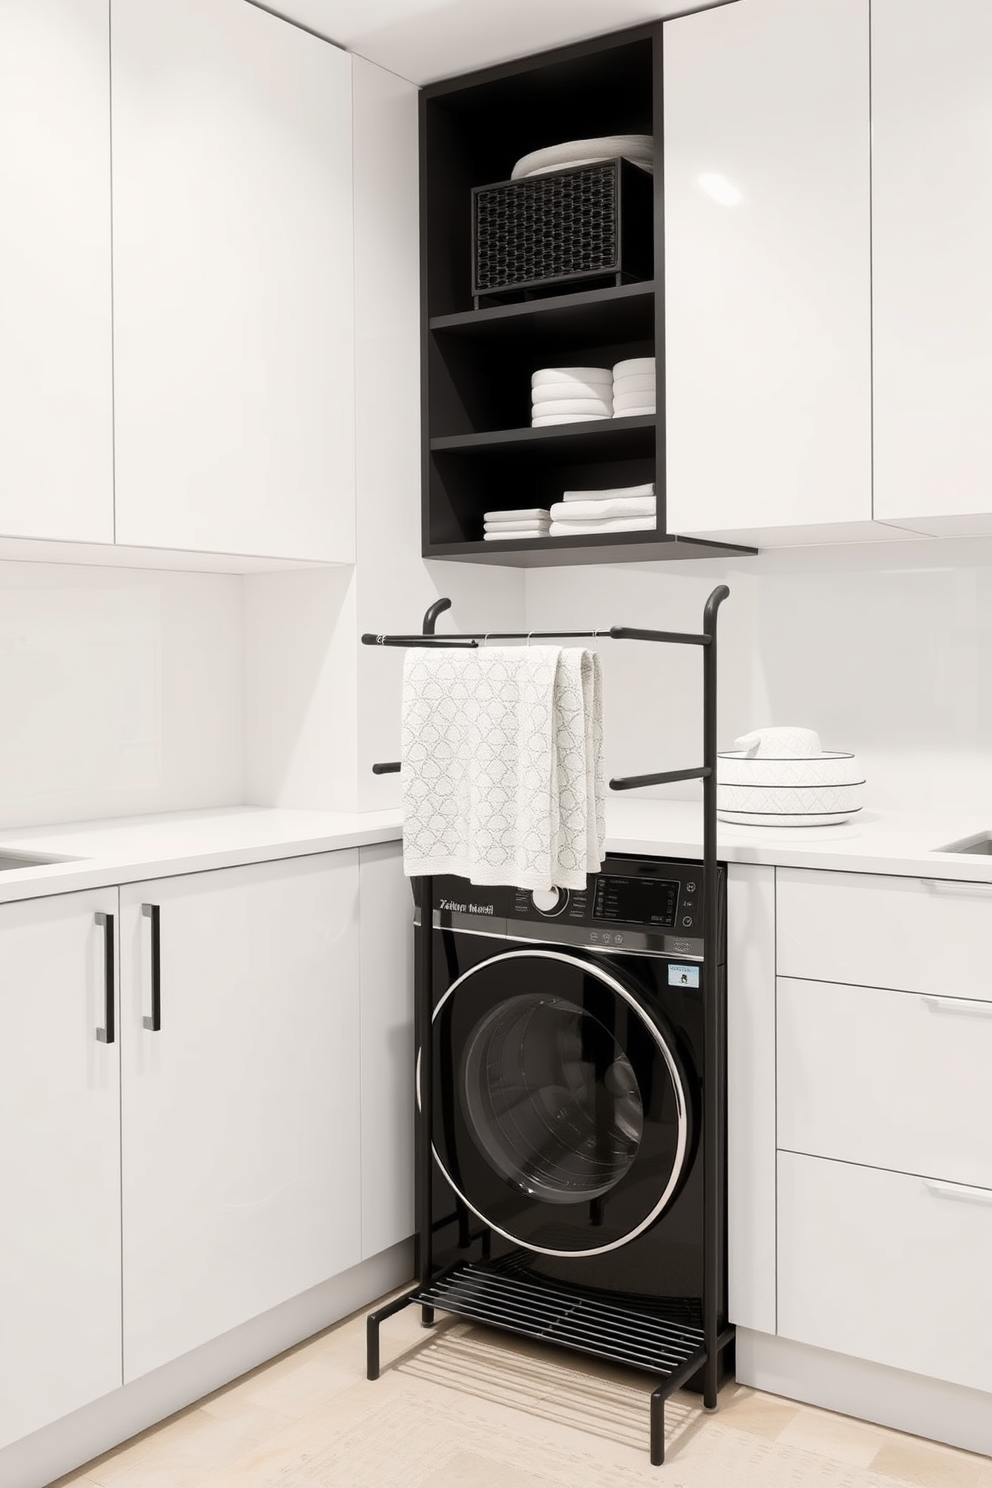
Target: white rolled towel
{"points": [[647, 489], [634, 366], [595, 376], [566, 418], [617, 524], [601, 511], [598, 407]]}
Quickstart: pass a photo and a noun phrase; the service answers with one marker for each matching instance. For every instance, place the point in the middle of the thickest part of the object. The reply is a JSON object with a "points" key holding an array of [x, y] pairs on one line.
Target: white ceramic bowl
{"points": [[813, 791], [827, 768]]}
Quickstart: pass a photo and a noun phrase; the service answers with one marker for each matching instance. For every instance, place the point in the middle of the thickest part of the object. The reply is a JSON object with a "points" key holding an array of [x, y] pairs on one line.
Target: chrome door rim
{"points": [[587, 968]]}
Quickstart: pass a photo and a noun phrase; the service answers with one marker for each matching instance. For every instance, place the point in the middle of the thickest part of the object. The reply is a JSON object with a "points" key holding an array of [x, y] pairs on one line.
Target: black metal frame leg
{"points": [[658, 1426], [372, 1330]]}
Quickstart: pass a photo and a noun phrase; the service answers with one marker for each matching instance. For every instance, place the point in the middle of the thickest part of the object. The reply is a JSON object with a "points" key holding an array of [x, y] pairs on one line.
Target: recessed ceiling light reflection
{"points": [[720, 189]]}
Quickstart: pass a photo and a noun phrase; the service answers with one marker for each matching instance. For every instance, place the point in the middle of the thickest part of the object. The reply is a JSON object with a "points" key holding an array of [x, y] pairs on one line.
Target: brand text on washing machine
{"points": [[467, 908]]}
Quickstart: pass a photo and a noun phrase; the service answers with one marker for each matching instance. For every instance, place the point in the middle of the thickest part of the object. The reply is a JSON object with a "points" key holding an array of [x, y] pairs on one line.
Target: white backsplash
{"points": [[121, 692], [883, 648]]}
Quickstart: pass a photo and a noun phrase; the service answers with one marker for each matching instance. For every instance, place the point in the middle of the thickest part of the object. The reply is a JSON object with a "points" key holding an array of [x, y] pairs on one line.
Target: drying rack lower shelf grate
{"points": [[570, 1317]]}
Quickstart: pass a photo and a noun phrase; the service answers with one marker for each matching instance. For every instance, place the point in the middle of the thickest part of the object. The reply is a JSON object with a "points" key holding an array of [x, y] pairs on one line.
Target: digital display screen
{"points": [[636, 901]]}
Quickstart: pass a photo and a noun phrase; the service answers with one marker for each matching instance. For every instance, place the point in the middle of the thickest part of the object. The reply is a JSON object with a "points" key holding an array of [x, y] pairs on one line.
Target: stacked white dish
{"points": [[620, 509], [638, 148], [525, 521], [634, 387], [780, 777], [570, 395]]}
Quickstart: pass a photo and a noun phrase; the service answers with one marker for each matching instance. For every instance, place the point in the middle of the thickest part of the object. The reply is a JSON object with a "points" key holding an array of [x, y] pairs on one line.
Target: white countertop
{"points": [[129, 849]]}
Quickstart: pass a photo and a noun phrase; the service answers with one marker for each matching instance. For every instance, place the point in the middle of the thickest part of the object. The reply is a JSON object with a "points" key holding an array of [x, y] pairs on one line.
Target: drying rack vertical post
{"points": [[714, 1057]]}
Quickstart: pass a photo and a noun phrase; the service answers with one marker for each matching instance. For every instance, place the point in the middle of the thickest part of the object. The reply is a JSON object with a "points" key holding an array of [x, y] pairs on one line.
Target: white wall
{"points": [[885, 650], [395, 585], [120, 692]]}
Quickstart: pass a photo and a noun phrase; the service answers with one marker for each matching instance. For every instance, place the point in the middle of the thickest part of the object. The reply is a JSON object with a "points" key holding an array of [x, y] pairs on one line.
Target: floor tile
{"points": [[833, 1436], [924, 1465]]}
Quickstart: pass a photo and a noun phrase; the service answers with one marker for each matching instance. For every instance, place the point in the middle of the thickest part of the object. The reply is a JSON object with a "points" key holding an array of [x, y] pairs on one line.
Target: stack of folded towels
{"points": [[570, 395], [528, 521], [622, 509], [634, 387]]}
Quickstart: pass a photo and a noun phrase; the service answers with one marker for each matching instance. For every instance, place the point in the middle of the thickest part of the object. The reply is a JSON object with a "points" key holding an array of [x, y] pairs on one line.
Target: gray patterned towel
{"points": [[502, 765]]}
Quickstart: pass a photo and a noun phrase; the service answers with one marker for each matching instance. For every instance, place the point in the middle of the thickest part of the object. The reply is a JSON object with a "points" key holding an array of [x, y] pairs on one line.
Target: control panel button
{"points": [[690, 888], [687, 919], [549, 901]]}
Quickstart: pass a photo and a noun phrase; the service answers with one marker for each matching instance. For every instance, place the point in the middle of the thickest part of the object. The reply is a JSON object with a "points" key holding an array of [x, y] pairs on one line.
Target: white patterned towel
{"points": [[502, 769]]}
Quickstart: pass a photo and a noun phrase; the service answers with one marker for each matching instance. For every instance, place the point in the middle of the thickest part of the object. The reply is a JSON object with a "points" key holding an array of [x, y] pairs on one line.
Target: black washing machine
{"points": [[568, 1096]]}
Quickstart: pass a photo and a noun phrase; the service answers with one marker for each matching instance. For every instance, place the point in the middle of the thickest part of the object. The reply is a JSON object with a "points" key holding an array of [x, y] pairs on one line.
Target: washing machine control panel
{"points": [[631, 905]]}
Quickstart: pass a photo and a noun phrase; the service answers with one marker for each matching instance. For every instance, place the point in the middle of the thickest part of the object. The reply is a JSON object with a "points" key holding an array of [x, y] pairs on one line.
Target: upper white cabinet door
{"points": [[60, 1236], [767, 257], [242, 1139], [233, 282], [56, 443], [388, 1101], [931, 248]]}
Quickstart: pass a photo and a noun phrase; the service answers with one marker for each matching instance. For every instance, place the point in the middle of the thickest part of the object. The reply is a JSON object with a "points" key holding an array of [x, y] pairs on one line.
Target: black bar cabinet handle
{"points": [[154, 1023], [108, 1033]]}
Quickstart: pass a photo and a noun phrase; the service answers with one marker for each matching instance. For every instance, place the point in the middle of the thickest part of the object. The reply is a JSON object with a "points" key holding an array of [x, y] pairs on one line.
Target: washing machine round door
{"points": [[561, 1115]]}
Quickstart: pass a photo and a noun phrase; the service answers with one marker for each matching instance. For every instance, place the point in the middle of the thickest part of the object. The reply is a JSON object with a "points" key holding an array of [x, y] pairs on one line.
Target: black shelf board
{"points": [[602, 547], [597, 437], [617, 314]]}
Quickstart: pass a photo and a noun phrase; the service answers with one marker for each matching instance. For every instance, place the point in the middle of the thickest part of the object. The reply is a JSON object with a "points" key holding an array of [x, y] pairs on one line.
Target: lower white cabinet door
{"points": [[60, 1262], [887, 1267], [240, 1102], [388, 1104]]}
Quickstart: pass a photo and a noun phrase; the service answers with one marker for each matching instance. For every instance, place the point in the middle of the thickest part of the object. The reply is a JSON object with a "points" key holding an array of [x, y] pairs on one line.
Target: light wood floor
{"points": [[460, 1407]]}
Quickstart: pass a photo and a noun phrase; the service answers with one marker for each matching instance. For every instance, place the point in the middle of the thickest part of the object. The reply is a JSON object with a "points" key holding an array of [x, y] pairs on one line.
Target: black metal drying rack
{"points": [[501, 1295]]}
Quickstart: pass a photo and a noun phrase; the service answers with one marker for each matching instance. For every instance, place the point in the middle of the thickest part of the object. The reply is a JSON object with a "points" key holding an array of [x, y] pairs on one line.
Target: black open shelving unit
{"points": [[479, 451]]}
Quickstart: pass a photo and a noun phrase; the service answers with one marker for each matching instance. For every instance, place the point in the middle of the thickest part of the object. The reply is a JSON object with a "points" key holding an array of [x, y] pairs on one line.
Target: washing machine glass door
{"points": [[560, 1109]]}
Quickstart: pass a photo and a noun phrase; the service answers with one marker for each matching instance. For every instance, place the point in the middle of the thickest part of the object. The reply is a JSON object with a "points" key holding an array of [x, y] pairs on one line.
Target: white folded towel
{"points": [[598, 407], [638, 382], [616, 524], [647, 489], [502, 777], [523, 514], [635, 412], [570, 152], [504, 534], [596, 376], [601, 511], [546, 391], [543, 419], [634, 365]]}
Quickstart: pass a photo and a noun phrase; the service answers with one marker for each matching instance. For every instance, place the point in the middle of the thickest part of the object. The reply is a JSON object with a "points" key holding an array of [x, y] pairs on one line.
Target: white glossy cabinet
{"points": [[233, 282], [56, 450], [241, 1112], [767, 271], [60, 1264], [931, 250], [886, 1266], [387, 1049]]}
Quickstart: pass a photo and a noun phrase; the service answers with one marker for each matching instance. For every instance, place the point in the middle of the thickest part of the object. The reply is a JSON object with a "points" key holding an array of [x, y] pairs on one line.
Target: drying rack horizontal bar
{"points": [[622, 782], [472, 639]]}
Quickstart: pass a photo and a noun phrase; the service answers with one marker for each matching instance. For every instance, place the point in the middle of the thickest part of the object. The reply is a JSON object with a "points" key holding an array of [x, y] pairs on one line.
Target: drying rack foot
{"points": [[427, 1317], [372, 1330], [658, 1426]]}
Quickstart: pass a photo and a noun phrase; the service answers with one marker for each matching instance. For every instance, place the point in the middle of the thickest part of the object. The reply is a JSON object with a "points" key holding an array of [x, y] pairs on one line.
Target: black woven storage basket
{"points": [[563, 229]]}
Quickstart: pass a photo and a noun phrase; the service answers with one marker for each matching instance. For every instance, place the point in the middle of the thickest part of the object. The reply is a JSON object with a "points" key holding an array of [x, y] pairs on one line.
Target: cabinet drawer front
{"points": [[916, 934], [886, 1267], [891, 1079]]}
